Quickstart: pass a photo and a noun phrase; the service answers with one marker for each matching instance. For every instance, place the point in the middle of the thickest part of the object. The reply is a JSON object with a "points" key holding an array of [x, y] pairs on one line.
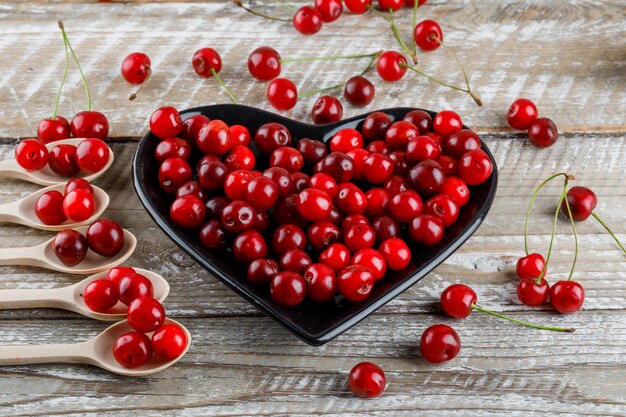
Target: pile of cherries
{"points": [[523, 115], [104, 237], [77, 203], [417, 173]]}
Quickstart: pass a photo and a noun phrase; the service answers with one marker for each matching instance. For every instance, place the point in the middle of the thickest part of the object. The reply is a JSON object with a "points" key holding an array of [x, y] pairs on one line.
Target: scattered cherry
{"points": [[439, 343], [359, 91], [366, 379], [327, 109], [49, 208], [543, 133], [307, 20], [264, 63], [31, 154], [567, 296], [522, 114]]}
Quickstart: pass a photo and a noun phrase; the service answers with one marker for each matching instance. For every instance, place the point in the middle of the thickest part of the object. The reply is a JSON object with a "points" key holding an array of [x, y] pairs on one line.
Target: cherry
{"points": [[191, 127], [70, 247], [385, 228], [295, 260], [145, 314], [299, 182], [238, 216], [394, 5], [213, 235], [282, 94], [443, 207], [79, 205], [215, 206], [132, 286], [169, 341], [457, 189], [567, 296], [312, 150], [188, 211], [288, 288], [358, 6], [264, 63], [355, 282], [422, 148], [582, 202], [172, 148], [307, 20], [378, 146], [405, 206], [400, 133], [324, 182], [90, 124], [378, 168], [531, 293], [116, 274], [421, 120], [261, 271], [396, 184], [400, 164], [330, 10], [448, 164], [372, 260], [239, 136], [206, 62], [132, 349], [92, 155], [351, 200], [346, 140], [280, 177], [391, 66], [375, 126], [249, 246], [321, 282], [475, 167], [426, 230], [439, 343], [287, 237], [359, 91], [336, 256], [396, 253], [165, 122], [288, 158], [31, 154], [530, 267], [262, 193], [327, 109], [286, 211], [427, 177], [353, 220], [322, 234], [52, 129], [49, 208], [62, 160], [105, 237], [270, 136], [377, 202], [314, 205], [543, 133], [173, 173], [211, 175], [447, 122], [461, 142], [522, 114], [214, 138], [136, 68], [428, 35], [359, 236], [335, 216], [100, 295], [367, 380], [338, 165]]}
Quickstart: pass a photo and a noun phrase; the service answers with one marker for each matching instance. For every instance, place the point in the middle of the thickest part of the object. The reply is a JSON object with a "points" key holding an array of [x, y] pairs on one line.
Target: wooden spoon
{"points": [[23, 211], [46, 176], [71, 297], [43, 256], [97, 351]]}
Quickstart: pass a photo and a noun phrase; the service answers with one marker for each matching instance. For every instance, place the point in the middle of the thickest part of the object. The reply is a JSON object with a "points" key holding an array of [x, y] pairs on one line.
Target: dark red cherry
{"points": [[264, 63], [90, 124]]}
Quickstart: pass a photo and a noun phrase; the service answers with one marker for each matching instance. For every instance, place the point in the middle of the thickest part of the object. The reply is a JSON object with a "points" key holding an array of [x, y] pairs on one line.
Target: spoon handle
{"points": [[9, 168], [30, 354], [18, 256], [8, 212], [32, 298]]}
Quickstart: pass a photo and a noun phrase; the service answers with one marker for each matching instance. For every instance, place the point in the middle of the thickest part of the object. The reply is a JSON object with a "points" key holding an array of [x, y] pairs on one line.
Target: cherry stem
{"points": [[134, 95], [265, 16], [454, 87], [556, 218], [82, 75], [396, 31], [523, 323], [328, 58], [414, 23], [451, 53], [610, 231], [571, 219], [67, 64], [282, 3], [226, 89]]}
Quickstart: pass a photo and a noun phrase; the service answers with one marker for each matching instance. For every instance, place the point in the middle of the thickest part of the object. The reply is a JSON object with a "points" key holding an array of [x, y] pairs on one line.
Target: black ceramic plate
{"points": [[314, 323]]}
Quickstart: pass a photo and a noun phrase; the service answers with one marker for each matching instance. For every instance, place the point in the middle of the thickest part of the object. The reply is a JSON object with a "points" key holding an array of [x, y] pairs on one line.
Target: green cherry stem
{"points": [[254, 12], [134, 95], [67, 64], [328, 58], [414, 23], [454, 87], [226, 89], [80, 70], [523, 323], [595, 216], [396, 31], [571, 219]]}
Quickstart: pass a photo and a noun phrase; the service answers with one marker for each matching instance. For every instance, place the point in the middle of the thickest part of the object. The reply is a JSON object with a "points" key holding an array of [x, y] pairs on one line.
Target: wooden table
{"points": [[569, 57]]}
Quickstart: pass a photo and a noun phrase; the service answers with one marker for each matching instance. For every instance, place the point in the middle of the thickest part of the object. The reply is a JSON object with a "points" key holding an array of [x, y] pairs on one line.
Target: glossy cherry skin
{"points": [[530, 266], [136, 68], [145, 314], [173, 173], [346, 140], [314, 205], [352, 220], [249, 246], [391, 66], [567, 296], [405, 206], [132, 349], [70, 247], [299, 182], [169, 341], [211, 175], [461, 142], [355, 282], [428, 35], [439, 343], [238, 216], [367, 380], [262, 193], [359, 236], [359, 91], [62, 160], [338, 165], [446, 122], [215, 206], [116, 274], [377, 202], [295, 260], [307, 20], [358, 6], [214, 138], [282, 94], [394, 5], [327, 109], [261, 271], [92, 155], [90, 124], [280, 177], [212, 235], [288, 158], [100, 295], [372, 260], [448, 164], [240, 136], [206, 62], [475, 167], [172, 148], [396, 184], [288, 289], [105, 237], [312, 150], [165, 122], [375, 126], [51, 130], [396, 253], [426, 230], [543, 133], [336, 256], [326, 183], [191, 127], [49, 208], [522, 114], [321, 282], [378, 168], [132, 286], [264, 63], [427, 177], [323, 234], [330, 10], [385, 228], [31, 154], [582, 202], [421, 120], [271, 136], [457, 189], [400, 133], [532, 294], [444, 207], [79, 205], [286, 211], [287, 237], [457, 300], [422, 148], [351, 200], [188, 211]]}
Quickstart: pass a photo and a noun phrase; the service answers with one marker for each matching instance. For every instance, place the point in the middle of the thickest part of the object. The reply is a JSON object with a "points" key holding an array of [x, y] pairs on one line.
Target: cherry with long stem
{"points": [[443, 83], [329, 58], [523, 323], [134, 95], [226, 89], [80, 70], [254, 12], [451, 53], [67, 64], [396, 32], [595, 216], [571, 219], [416, 5]]}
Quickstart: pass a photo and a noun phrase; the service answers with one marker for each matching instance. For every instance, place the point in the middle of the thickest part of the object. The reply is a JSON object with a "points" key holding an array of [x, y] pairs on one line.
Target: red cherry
{"points": [[367, 380], [338, 165], [457, 189], [282, 94], [270, 136], [447, 122], [336, 256], [215, 206], [314, 205], [264, 63], [295, 260], [351, 200], [428, 35], [385, 228], [359, 91], [299, 182], [427, 177], [261, 271], [132, 286], [475, 167], [214, 138], [378, 146], [262, 193], [165, 122], [396, 184], [372, 260], [522, 114], [191, 127], [422, 148], [62, 160], [530, 266], [286, 211], [169, 341], [355, 282], [307, 20], [400, 134], [206, 62], [49, 208], [359, 236], [443, 207], [240, 157], [239, 136], [461, 142], [330, 10], [312, 150], [426, 230], [405, 206], [378, 168], [79, 205], [145, 314], [211, 175], [394, 5], [448, 164], [358, 157], [321, 283], [249, 246], [391, 66], [136, 68], [543, 133], [421, 120], [280, 177], [288, 158], [324, 182], [396, 253], [457, 300], [353, 220], [132, 349], [105, 237], [90, 124], [375, 126], [213, 235], [188, 211], [53, 129], [377, 202], [439, 343], [322, 234], [327, 109], [172, 148], [173, 173], [287, 237], [346, 140], [582, 202], [31, 154], [70, 247], [238, 216], [288, 289], [100, 295], [532, 294], [567, 296], [92, 155], [358, 6], [116, 274]]}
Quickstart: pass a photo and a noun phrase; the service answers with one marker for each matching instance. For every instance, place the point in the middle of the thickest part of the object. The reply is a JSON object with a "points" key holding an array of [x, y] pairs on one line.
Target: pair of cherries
{"points": [[76, 204], [90, 156], [523, 115], [104, 237]]}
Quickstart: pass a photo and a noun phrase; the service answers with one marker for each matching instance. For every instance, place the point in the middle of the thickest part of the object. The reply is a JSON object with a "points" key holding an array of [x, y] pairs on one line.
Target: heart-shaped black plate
{"points": [[314, 323]]}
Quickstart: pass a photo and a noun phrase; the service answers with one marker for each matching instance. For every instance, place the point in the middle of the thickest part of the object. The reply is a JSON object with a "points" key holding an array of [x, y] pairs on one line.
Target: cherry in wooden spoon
{"points": [[43, 256], [71, 297], [97, 351], [23, 211]]}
